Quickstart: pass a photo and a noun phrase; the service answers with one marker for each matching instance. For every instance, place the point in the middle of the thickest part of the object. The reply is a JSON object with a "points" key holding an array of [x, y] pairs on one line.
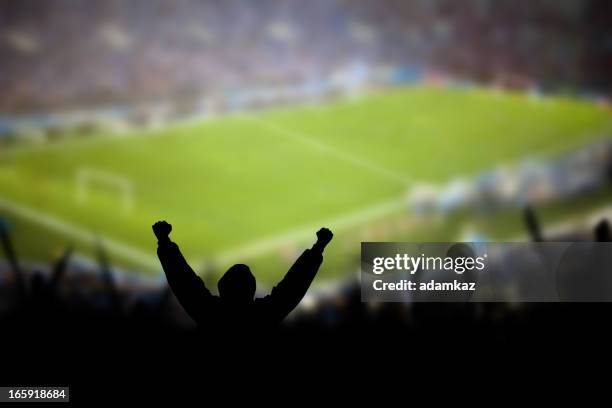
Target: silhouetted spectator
{"points": [[108, 280], [235, 307], [533, 226], [7, 245]]}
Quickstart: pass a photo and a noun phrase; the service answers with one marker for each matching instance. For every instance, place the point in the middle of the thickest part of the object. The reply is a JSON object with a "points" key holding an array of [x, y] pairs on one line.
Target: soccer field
{"points": [[248, 185]]}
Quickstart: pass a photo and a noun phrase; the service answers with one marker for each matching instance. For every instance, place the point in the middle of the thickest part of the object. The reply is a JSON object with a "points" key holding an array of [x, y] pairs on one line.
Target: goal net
{"points": [[90, 181]]}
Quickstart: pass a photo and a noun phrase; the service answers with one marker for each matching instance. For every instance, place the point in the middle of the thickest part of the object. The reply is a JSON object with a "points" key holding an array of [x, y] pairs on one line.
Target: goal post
{"points": [[89, 179]]}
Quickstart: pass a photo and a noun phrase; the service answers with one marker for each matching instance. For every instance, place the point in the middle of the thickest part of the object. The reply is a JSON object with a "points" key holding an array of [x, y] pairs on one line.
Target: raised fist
{"points": [[162, 230], [324, 236]]}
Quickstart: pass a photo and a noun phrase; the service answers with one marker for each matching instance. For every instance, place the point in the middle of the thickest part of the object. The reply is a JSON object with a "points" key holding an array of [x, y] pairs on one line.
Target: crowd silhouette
{"points": [[109, 327], [35, 299]]}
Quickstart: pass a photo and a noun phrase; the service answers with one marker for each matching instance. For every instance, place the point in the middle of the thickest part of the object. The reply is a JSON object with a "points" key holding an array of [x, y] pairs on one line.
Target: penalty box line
{"points": [[55, 224], [231, 256], [336, 224], [315, 144]]}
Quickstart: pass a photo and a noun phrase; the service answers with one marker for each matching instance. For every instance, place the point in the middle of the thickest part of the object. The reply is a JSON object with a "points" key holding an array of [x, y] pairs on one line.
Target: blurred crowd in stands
{"points": [[531, 182], [59, 54]]}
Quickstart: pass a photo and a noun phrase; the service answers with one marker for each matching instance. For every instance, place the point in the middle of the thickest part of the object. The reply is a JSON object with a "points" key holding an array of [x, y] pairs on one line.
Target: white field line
{"points": [[232, 256], [328, 150], [126, 134], [52, 223], [303, 233]]}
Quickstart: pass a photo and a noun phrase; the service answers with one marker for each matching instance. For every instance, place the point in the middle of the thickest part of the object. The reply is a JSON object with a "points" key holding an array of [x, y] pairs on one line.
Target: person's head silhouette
{"points": [[237, 285], [38, 284]]}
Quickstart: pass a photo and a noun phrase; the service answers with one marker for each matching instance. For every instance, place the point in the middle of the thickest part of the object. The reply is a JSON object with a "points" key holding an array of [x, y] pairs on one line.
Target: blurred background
{"points": [[249, 125]]}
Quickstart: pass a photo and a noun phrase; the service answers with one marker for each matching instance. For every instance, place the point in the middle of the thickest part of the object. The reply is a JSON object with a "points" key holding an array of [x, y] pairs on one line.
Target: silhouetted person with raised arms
{"points": [[236, 307]]}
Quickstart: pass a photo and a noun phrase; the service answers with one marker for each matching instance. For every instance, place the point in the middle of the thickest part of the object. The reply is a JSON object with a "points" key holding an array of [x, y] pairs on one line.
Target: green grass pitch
{"points": [[254, 187]]}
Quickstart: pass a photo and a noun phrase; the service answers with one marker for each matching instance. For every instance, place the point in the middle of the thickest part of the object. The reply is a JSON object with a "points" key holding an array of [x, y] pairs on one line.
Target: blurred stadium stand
{"points": [[115, 55]]}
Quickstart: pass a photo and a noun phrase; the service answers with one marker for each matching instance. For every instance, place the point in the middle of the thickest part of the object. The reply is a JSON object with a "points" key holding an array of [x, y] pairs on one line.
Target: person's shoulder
{"points": [[312, 254], [263, 304], [261, 301]]}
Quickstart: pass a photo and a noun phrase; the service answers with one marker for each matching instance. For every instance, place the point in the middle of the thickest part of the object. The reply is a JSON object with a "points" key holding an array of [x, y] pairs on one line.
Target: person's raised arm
{"points": [[59, 268], [11, 256], [289, 292], [188, 288], [533, 225]]}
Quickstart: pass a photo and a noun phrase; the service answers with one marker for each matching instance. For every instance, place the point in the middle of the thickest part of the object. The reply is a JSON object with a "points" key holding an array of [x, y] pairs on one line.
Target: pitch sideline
{"points": [[251, 249]]}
